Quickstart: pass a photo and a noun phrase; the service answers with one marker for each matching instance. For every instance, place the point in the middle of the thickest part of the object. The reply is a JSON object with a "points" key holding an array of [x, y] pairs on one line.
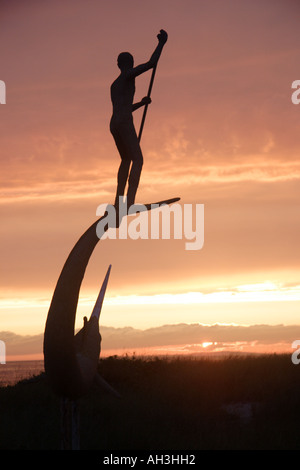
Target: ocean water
{"points": [[14, 371]]}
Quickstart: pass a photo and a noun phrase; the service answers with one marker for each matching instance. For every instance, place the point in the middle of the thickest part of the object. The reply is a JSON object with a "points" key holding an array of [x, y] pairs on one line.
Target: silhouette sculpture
{"points": [[71, 360], [121, 124]]}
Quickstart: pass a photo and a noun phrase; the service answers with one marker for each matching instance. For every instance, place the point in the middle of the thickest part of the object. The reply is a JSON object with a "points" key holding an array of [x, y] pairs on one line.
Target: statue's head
{"points": [[125, 60]]}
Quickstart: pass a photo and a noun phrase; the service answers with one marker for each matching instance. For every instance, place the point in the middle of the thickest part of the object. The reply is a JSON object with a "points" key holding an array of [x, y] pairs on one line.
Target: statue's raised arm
{"points": [[139, 69]]}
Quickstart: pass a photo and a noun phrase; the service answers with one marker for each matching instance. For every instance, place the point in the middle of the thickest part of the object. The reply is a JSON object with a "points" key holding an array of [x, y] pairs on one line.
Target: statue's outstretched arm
{"points": [[139, 69]]}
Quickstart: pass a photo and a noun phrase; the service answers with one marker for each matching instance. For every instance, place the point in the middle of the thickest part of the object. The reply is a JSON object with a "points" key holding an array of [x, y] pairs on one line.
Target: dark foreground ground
{"points": [[192, 404]]}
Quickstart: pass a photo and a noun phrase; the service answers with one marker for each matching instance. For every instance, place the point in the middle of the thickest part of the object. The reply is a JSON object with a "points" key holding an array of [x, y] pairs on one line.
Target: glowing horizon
{"points": [[258, 294]]}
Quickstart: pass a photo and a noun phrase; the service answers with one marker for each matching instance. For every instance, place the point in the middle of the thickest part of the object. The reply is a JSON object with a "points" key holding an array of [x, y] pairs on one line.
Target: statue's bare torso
{"points": [[122, 93]]}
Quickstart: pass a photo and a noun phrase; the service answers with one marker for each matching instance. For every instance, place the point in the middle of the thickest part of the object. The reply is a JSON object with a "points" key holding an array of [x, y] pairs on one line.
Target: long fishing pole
{"points": [[146, 106]]}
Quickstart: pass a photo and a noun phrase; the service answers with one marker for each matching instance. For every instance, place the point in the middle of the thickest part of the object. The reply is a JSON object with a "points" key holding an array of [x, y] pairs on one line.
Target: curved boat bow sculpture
{"points": [[71, 361]]}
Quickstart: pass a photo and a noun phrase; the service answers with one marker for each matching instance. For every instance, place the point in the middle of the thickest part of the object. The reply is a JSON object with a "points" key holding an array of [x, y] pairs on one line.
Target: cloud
{"points": [[182, 334], [221, 110], [184, 338]]}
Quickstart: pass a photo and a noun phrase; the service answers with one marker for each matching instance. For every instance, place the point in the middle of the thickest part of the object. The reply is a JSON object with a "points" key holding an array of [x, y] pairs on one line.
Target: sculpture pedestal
{"points": [[69, 424]]}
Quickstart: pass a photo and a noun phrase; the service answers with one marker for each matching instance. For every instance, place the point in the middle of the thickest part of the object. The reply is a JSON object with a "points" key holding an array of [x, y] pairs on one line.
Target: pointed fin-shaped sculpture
{"points": [[88, 346], [98, 305], [81, 335]]}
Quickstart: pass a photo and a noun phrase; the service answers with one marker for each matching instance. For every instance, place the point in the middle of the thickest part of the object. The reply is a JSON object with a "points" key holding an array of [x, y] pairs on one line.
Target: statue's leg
{"points": [[130, 151], [122, 179], [136, 156], [120, 136]]}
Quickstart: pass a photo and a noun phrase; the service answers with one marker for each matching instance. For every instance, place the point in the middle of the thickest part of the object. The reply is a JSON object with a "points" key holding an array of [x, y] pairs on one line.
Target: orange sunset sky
{"points": [[221, 131]]}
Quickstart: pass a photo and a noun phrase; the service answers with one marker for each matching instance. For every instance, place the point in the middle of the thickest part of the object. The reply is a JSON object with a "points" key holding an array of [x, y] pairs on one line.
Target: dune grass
{"points": [[166, 404]]}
